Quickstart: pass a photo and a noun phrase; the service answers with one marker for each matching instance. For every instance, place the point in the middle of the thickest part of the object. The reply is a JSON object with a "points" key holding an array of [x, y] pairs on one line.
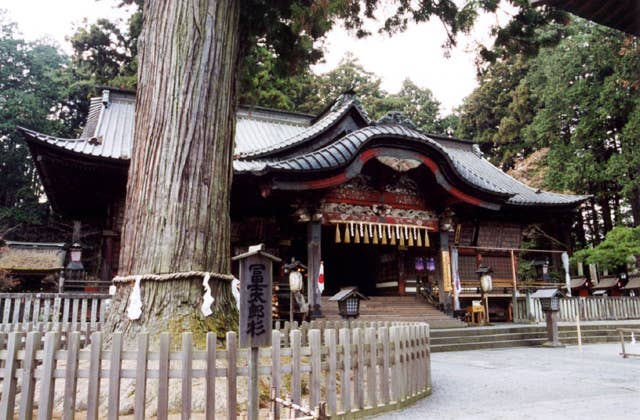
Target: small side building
{"points": [[31, 266]]}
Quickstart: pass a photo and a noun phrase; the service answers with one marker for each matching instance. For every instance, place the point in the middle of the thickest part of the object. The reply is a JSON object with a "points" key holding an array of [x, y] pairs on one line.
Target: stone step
{"points": [[521, 336]]}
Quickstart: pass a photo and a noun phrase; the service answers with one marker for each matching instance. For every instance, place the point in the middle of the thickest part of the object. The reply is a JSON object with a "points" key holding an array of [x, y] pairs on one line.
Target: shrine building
{"points": [[385, 207]]}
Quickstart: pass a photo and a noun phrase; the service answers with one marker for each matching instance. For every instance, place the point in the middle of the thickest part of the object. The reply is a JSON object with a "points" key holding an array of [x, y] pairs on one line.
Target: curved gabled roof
{"points": [[462, 156]]}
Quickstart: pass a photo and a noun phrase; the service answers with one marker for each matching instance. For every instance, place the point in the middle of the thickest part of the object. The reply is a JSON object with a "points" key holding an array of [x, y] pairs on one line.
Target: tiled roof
{"points": [[262, 133], [337, 111], [606, 283], [260, 129], [634, 283], [108, 134]]}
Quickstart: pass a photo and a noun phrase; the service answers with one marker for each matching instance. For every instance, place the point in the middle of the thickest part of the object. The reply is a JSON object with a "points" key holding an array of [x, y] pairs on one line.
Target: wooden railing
{"points": [[356, 371], [52, 311], [589, 308], [633, 333]]}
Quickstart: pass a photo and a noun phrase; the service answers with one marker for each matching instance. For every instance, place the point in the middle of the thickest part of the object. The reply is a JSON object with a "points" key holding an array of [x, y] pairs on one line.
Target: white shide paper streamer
{"points": [[135, 301]]}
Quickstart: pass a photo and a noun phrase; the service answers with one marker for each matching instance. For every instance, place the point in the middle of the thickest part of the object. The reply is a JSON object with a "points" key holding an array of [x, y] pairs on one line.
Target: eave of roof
{"points": [[623, 15]]}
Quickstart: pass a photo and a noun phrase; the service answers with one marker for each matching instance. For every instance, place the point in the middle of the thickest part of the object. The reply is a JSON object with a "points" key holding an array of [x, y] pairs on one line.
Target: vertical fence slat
{"points": [[17, 303], [232, 388], [95, 361], [358, 383], [84, 312], [142, 362], [296, 387], [114, 376], [9, 382], [163, 377], [384, 375], [395, 371], [94, 314], [28, 380], [210, 380], [56, 313], [26, 314], [47, 310], [71, 376], [187, 374], [7, 312], [330, 384], [65, 314], [103, 313], [372, 343], [74, 315], [36, 311], [47, 384], [316, 372], [275, 370], [345, 377]]}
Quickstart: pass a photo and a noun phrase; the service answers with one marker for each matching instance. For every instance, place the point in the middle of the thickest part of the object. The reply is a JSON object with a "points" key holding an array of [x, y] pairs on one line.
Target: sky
{"points": [[415, 54]]}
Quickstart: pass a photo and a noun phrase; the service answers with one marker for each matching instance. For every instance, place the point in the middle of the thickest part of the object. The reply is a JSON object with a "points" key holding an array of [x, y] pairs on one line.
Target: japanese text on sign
{"points": [[255, 308]]}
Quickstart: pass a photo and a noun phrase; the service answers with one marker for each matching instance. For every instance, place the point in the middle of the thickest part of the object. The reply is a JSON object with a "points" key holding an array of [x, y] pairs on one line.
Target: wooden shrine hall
{"points": [[381, 204]]}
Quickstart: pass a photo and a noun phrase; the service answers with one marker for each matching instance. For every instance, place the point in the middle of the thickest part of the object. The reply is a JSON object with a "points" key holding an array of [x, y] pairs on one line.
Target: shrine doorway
{"points": [[377, 270]]}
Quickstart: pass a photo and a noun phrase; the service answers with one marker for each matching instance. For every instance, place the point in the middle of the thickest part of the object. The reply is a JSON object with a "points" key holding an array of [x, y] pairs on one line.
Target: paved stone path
{"points": [[532, 383]]}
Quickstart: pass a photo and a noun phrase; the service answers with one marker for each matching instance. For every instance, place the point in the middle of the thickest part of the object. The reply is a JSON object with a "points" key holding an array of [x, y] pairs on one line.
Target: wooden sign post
{"points": [[256, 279]]}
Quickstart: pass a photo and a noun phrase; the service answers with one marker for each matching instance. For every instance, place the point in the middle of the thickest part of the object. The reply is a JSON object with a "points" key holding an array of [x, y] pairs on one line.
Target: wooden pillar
{"points": [[314, 256], [401, 273], [514, 296], [445, 269]]}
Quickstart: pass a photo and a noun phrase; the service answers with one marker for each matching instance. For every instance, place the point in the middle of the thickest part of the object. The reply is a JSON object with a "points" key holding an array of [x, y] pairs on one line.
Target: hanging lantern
{"points": [[431, 264], [419, 264], [338, 238]]}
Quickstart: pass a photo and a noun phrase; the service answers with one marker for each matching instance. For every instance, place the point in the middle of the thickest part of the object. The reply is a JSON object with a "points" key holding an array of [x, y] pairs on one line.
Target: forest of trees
{"points": [[565, 90]]}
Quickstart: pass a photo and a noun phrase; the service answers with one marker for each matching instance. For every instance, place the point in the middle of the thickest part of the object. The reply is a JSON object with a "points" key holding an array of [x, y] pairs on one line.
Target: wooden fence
{"points": [[52, 311], [590, 309], [356, 371]]}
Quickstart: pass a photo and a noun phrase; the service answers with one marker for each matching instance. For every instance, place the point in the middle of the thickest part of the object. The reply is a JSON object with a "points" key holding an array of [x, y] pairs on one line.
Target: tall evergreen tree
{"points": [[30, 86]]}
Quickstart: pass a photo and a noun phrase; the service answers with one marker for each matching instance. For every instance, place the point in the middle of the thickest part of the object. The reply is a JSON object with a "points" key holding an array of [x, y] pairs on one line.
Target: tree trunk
{"points": [[178, 191], [605, 208], [634, 201]]}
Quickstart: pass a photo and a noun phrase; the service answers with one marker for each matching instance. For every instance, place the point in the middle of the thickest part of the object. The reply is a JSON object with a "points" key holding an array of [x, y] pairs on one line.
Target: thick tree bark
{"points": [[178, 191]]}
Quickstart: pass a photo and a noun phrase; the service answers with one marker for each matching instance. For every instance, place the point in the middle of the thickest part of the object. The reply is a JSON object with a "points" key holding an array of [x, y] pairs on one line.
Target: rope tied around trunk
{"points": [[172, 276], [134, 310]]}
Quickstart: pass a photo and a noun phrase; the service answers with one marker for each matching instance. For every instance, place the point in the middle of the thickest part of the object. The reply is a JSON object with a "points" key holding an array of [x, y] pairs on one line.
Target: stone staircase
{"points": [[510, 335], [395, 308]]}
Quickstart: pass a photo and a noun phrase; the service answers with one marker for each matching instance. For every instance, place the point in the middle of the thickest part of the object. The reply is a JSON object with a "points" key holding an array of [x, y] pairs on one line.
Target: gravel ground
{"points": [[532, 383]]}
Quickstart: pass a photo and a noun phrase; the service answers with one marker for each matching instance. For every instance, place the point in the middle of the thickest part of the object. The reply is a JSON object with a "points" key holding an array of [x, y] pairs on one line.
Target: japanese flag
{"points": [[321, 277]]}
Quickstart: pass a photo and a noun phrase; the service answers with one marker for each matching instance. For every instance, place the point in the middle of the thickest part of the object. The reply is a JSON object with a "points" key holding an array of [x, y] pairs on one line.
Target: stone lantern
{"points": [[348, 299], [550, 303]]}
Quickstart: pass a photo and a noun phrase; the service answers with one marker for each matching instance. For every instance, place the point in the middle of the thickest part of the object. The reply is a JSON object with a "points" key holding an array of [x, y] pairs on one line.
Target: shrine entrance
{"points": [[378, 270]]}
